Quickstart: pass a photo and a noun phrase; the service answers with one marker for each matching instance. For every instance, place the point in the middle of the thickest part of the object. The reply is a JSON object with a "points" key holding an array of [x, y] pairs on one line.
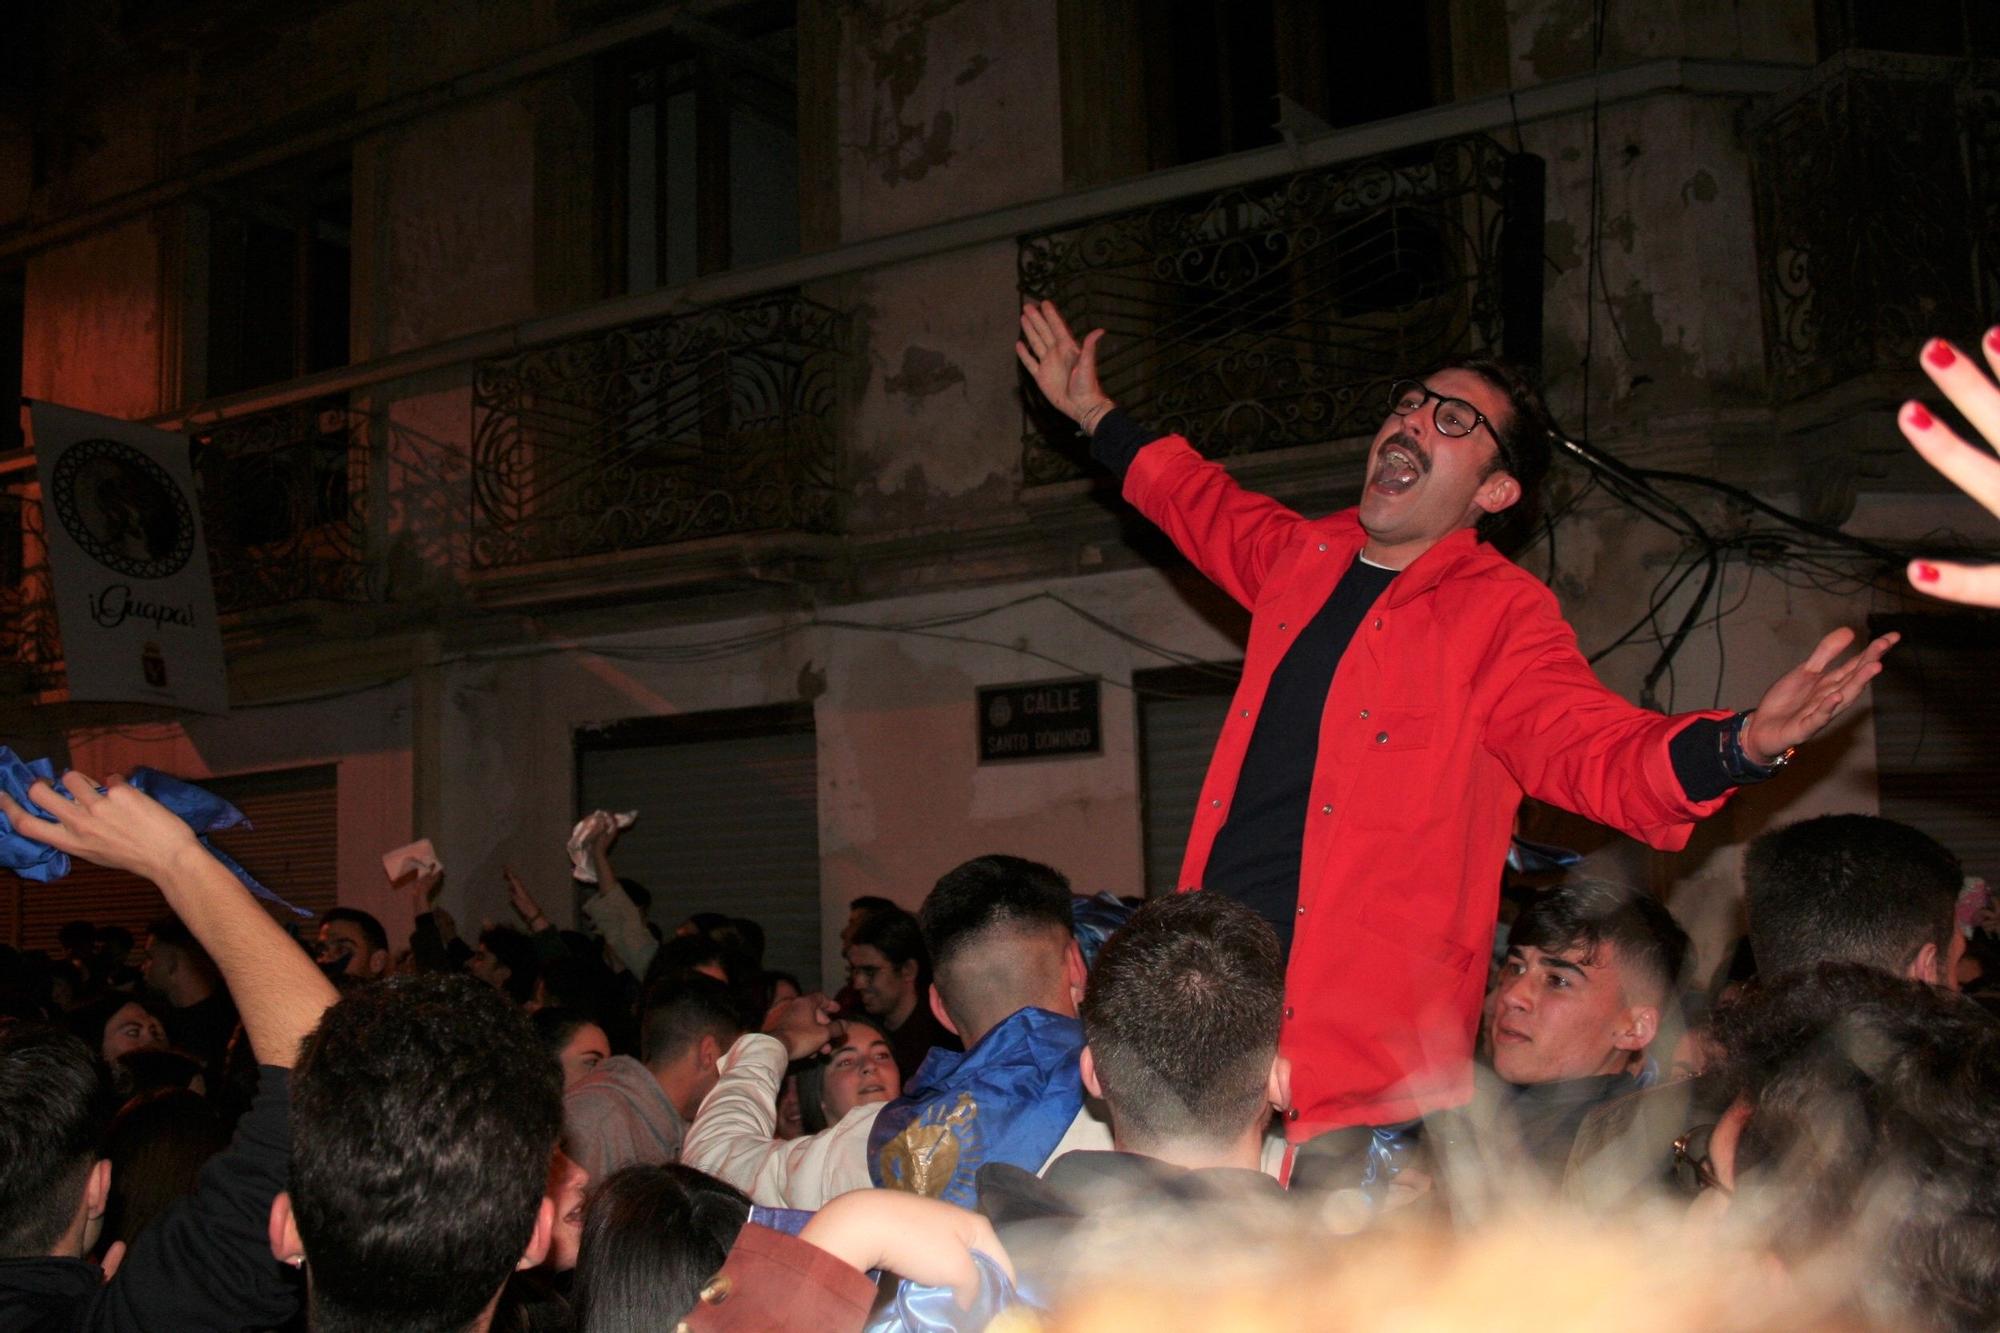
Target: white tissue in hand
{"points": [[579, 854], [408, 862]]}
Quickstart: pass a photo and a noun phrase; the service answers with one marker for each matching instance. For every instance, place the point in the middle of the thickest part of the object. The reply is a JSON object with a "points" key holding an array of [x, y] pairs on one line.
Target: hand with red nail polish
{"points": [[1974, 470]]}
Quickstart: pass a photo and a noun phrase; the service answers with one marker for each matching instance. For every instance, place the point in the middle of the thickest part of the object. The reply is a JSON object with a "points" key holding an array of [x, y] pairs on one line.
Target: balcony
{"points": [[715, 423], [1878, 216], [1275, 314]]}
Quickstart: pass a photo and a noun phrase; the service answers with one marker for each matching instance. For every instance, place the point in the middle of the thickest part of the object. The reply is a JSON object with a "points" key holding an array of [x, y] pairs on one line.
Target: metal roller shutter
{"points": [[1180, 714], [1936, 717], [291, 847], [728, 819]]}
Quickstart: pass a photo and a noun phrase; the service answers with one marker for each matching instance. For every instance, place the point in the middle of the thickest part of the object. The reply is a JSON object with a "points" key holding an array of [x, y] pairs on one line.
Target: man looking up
{"points": [[890, 972], [1404, 684], [206, 1261], [629, 1112], [1590, 969], [1008, 978]]}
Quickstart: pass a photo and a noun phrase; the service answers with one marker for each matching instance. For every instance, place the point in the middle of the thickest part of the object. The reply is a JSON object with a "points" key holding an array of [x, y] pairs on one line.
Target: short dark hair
{"points": [[899, 938], [424, 1116], [378, 938], [1526, 447], [869, 902], [555, 1026], [679, 1011], [990, 891], [157, 1144], [53, 1106], [1586, 913], [516, 952], [1182, 1015], [172, 932], [653, 1236], [1849, 888], [1865, 1086], [77, 936]]}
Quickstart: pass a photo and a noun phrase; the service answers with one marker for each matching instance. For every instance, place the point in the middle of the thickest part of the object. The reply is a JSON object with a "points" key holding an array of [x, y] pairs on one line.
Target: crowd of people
{"points": [[1307, 1095]]}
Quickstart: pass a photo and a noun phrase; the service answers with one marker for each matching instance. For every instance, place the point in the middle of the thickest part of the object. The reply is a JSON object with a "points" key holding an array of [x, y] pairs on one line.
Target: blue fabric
{"points": [[1093, 920], [791, 1221], [915, 1309], [203, 811], [1009, 1099]]}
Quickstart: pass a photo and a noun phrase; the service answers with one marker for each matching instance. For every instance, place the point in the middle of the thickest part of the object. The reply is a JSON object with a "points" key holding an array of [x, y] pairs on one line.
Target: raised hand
{"points": [[803, 1023], [928, 1241], [120, 827], [522, 901], [1064, 369], [1811, 695], [1971, 468]]}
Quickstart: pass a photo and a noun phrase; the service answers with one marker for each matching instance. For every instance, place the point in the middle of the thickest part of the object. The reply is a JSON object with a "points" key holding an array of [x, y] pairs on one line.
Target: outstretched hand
{"points": [[119, 827], [804, 1024], [1064, 369], [1806, 699], [1971, 468]]}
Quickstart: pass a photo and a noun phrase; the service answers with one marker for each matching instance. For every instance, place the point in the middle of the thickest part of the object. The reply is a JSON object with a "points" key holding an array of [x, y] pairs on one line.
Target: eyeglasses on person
{"points": [[1452, 416]]}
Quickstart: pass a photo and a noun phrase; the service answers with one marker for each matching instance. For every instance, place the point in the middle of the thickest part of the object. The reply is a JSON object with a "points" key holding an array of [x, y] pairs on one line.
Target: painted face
{"points": [[586, 1049], [862, 1069], [881, 986], [132, 1029], [1423, 484], [344, 949], [1560, 1016]]}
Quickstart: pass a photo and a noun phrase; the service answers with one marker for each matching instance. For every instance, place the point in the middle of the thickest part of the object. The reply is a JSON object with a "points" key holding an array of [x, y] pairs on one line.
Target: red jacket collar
{"points": [[1449, 556]]}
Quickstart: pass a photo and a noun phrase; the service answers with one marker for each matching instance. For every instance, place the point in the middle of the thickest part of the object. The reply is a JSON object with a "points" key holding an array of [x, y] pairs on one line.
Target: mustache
{"points": [[1408, 445]]}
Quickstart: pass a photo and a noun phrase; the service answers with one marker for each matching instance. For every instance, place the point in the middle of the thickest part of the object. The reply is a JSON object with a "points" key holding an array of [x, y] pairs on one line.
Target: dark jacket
{"points": [[205, 1264]]}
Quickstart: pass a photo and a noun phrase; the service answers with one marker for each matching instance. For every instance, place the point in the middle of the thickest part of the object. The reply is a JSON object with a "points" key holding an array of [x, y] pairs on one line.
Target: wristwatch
{"points": [[1737, 763]]}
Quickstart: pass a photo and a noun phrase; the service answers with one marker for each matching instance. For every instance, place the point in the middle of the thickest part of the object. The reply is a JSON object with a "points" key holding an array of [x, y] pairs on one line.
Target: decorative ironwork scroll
{"points": [[699, 425], [1276, 314], [282, 503], [30, 642], [1878, 215]]}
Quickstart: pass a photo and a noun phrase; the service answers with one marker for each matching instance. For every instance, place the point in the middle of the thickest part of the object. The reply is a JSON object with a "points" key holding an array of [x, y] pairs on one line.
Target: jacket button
{"points": [[718, 1289], [1292, 1114], [1381, 738], [1322, 546], [1281, 624], [1216, 803], [1288, 1011], [1246, 712], [1302, 911], [1326, 809], [1377, 624], [1364, 715]]}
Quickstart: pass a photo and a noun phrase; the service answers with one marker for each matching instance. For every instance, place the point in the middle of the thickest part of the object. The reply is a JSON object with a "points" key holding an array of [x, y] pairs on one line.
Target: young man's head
{"points": [[1181, 1016], [424, 1114], [1590, 968], [1866, 1125], [53, 1108], [888, 966], [1465, 446], [686, 1025], [506, 960], [352, 944], [999, 933], [1853, 889], [176, 965]]}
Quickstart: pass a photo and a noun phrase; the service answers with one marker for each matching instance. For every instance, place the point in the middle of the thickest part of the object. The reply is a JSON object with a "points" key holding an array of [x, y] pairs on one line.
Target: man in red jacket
{"points": [[1403, 686]]}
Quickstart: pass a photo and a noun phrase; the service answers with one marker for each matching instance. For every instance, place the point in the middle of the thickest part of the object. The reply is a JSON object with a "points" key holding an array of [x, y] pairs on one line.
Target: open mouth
{"points": [[870, 1089], [1399, 466], [1509, 1034]]}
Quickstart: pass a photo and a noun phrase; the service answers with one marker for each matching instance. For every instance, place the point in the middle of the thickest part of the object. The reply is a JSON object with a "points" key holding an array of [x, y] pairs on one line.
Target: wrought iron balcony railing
{"points": [[1878, 215], [701, 425], [1277, 314], [283, 505]]}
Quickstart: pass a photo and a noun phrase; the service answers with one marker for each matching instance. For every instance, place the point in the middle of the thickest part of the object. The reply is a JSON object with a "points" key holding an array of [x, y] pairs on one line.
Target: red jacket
{"points": [[1461, 690]]}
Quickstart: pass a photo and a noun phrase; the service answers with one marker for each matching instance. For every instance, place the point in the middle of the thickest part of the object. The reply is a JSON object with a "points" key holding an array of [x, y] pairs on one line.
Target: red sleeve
{"points": [[1230, 534], [775, 1281]]}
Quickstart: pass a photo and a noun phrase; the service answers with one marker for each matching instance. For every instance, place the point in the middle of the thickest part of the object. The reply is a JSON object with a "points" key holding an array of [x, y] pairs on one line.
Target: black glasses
{"points": [[1452, 416], [1694, 1167]]}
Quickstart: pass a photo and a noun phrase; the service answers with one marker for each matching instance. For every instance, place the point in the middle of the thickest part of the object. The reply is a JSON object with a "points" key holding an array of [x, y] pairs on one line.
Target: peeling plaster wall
{"points": [[935, 430], [947, 108], [366, 736], [1552, 39]]}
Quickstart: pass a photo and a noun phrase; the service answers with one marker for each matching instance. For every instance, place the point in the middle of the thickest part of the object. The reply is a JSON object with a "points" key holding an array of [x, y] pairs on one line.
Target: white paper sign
{"points": [[129, 562]]}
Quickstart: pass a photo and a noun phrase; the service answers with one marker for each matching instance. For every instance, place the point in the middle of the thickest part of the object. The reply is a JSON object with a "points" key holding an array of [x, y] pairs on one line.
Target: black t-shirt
{"points": [[1255, 859]]}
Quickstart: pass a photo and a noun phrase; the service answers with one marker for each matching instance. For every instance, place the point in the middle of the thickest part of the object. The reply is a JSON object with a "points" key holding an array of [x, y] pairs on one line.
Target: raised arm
{"points": [[278, 990]]}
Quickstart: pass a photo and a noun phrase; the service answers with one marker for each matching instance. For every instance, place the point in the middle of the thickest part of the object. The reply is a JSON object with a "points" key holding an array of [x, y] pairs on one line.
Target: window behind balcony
{"points": [[1149, 84], [273, 263], [700, 135], [1935, 718]]}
